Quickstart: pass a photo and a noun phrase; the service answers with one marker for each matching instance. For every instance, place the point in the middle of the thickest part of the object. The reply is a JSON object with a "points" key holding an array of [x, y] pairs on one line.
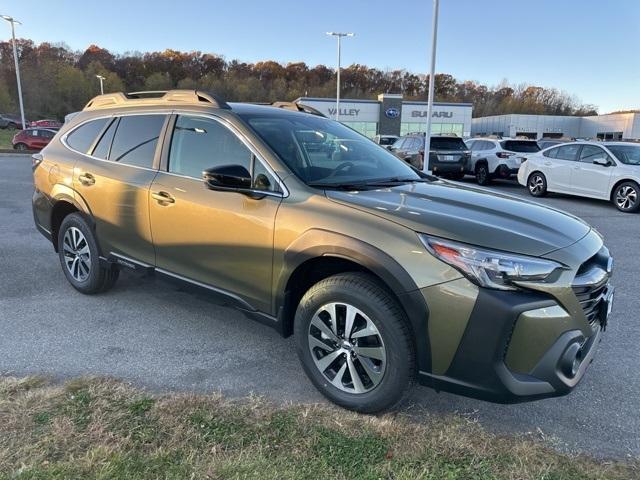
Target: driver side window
{"points": [[199, 143]]}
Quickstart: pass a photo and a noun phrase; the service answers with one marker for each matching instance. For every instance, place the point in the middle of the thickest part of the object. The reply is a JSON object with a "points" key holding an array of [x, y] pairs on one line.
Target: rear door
{"points": [[590, 179], [114, 177], [558, 165]]}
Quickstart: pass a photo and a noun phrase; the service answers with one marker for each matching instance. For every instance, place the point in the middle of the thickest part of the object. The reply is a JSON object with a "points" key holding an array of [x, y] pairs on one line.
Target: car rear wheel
{"points": [[626, 197], [482, 174], [537, 184], [80, 257], [20, 146], [354, 343]]}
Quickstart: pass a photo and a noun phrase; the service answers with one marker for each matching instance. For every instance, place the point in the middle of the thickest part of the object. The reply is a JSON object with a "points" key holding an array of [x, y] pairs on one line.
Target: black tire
{"points": [[96, 278], [537, 184], [626, 197], [20, 146], [483, 177], [365, 294], [12, 126]]}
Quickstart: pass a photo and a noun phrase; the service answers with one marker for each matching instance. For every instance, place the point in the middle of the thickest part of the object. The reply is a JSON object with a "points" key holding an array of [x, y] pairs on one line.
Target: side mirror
{"points": [[602, 162], [227, 177]]}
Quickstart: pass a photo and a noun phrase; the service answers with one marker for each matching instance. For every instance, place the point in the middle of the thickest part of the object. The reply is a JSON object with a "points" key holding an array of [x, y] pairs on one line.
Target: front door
{"points": [[558, 166], [115, 179], [591, 179], [223, 239]]}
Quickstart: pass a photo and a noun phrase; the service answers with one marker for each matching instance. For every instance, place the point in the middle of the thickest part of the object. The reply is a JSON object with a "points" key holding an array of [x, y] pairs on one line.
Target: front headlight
{"points": [[488, 268]]}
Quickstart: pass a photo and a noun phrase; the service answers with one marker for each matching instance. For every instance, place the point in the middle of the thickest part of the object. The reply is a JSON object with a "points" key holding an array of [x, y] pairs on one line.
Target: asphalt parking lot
{"points": [[165, 339]]}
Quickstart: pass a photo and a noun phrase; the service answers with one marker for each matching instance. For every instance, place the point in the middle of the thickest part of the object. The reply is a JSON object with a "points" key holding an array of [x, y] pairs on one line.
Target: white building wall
{"points": [[416, 112], [350, 111], [617, 122]]}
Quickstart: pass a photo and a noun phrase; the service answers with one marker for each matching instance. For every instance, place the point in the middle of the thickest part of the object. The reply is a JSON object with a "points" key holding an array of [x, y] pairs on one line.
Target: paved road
{"points": [[162, 338]]}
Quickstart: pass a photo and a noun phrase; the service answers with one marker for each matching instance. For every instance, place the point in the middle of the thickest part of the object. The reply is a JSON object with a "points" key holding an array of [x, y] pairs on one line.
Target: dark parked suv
{"points": [[448, 155], [384, 275]]}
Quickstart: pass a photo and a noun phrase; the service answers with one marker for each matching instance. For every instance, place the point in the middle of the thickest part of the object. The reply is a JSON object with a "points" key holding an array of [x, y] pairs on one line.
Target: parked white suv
{"points": [[604, 170], [497, 158]]}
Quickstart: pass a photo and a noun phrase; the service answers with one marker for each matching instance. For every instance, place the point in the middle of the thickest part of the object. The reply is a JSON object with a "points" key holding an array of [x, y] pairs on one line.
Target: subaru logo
{"points": [[392, 112]]}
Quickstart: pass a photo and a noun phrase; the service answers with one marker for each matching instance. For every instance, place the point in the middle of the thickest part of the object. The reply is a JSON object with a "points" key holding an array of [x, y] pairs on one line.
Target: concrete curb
{"points": [[16, 154]]}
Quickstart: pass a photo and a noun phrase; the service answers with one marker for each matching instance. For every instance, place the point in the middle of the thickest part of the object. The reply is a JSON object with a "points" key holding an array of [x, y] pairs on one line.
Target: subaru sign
{"points": [[392, 112]]}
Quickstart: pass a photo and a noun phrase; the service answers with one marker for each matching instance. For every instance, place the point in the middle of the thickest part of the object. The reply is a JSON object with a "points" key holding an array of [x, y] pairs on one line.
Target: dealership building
{"points": [[615, 126], [390, 115]]}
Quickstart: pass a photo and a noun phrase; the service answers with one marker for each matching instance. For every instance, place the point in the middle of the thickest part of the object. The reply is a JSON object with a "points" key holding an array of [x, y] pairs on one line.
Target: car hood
{"points": [[470, 215]]}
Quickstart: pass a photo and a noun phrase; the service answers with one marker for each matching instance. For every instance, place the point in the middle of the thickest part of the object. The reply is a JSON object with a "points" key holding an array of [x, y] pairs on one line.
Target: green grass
{"points": [[103, 429], [5, 138]]}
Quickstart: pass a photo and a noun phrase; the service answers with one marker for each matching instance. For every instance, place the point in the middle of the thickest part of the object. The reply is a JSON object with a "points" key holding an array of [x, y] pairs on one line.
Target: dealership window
{"points": [[436, 128], [368, 129], [610, 135]]}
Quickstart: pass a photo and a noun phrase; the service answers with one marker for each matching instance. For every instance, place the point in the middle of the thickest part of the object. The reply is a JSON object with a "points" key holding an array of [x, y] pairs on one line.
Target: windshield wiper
{"points": [[339, 186], [396, 181]]}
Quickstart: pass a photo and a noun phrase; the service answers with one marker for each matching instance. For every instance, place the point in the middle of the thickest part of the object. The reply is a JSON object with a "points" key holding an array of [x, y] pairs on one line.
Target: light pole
{"points": [[339, 36], [432, 82], [13, 21], [102, 79]]}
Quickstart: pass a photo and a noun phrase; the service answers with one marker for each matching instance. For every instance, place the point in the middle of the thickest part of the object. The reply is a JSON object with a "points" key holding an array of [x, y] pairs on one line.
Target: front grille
{"points": [[592, 283]]}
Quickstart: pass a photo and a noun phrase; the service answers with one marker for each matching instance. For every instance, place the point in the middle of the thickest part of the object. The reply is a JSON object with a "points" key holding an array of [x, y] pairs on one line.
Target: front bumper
{"points": [[484, 365]]}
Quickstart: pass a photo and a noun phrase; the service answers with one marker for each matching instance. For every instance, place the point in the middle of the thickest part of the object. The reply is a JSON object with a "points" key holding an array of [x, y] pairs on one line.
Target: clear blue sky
{"points": [[589, 48]]}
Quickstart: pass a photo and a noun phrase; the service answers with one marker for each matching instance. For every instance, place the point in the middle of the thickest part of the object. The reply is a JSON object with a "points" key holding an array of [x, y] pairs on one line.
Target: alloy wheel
{"points": [[626, 197], [536, 185], [347, 348], [77, 256]]}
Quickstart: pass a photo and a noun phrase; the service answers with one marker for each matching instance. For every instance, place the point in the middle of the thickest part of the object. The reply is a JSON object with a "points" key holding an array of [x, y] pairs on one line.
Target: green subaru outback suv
{"points": [[385, 275]]}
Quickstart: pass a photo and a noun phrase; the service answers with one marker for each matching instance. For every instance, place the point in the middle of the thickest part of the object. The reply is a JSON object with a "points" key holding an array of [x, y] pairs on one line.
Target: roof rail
{"points": [[155, 97], [297, 107]]}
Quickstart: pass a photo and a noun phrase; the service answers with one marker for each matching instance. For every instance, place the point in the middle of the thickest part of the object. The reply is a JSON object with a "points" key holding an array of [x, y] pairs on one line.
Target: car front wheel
{"points": [[20, 146], [354, 343], [537, 184], [626, 197]]}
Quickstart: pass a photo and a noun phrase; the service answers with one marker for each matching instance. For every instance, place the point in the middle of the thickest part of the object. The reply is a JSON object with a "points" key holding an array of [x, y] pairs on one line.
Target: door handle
{"points": [[86, 179], [548, 164], [163, 197]]}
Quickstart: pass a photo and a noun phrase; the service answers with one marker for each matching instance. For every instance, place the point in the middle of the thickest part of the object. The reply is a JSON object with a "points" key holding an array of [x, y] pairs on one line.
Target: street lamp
{"points": [[13, 21], [339, 36], [102, 79], [432, 82]]}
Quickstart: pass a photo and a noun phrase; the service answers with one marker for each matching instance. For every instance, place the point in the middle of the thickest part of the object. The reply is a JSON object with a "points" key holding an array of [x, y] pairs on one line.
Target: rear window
{"points": [[83, 137], [387, 141], [447, 143], [520, 146]]}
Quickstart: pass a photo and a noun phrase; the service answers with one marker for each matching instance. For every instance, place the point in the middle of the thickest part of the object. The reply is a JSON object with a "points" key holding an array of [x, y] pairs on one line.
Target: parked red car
{"points": [[46, 124], [32, 138]]}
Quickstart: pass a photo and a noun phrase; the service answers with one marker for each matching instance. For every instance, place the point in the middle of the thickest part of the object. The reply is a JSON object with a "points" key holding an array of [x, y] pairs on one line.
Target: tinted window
{"points": [[262, 179], [628, 154], [387, 140], [200, 143], [567, 152], [398, 143], [590, 153], [47, 133], [551, 153], [136, 139], [520, 146], [83, 137], [447, 143], [104, 144], [416, 144]]}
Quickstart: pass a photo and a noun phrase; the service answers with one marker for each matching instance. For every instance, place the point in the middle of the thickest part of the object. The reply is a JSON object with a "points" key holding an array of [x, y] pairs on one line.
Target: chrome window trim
{"points": [[250, 146], [63, 139]]}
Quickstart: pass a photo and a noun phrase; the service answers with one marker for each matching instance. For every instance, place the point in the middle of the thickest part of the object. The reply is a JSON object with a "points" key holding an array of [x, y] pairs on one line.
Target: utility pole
{"points": [[339, 36], [13, 21], [432, 81]]}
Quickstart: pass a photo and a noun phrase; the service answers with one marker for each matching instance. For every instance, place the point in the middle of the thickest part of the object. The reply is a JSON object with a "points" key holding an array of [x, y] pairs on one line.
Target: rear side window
{"points": [[444, 143], [567, 152], [398, 143], [83, 137], [520, 146], [551, 153], [104, 144], [135, 140]]}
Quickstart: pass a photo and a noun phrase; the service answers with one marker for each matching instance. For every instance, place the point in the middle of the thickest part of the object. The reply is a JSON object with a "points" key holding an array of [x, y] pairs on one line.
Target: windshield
{"points": [[628, 154], [323, 151]]}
